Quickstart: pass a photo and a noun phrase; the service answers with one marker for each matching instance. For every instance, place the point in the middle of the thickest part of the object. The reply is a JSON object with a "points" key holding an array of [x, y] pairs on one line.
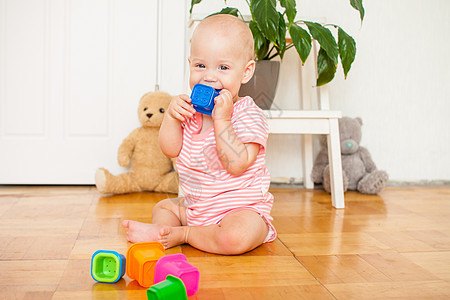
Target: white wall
{"points": [[71, 76], [398, 85]]}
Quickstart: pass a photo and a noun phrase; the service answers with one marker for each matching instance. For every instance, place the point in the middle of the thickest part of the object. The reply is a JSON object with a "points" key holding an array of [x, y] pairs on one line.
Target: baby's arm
{"points": [[235, 156], [171, 133]]}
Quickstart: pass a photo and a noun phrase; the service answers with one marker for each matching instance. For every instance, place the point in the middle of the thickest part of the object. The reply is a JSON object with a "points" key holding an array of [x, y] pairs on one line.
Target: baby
{"points": [[225, 208]]}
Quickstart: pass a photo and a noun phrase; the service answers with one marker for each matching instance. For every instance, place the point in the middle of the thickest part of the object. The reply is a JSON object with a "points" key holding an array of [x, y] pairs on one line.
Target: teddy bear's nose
{"points": [[349, 144], [149, 115]]}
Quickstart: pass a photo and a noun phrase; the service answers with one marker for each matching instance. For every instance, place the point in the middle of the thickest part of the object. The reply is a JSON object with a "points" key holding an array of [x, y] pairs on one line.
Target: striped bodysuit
{"points": [[210, 191]]}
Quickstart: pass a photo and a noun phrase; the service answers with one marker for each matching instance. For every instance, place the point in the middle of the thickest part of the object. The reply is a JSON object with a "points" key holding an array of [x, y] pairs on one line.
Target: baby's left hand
{"points": [[223, 106]]}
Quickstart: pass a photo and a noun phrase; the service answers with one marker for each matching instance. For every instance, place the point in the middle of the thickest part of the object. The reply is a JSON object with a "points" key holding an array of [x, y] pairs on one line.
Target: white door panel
{"points": [[72, 73]]}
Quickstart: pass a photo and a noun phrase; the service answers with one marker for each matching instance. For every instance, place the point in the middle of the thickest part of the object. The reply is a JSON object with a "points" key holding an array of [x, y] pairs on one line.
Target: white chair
{"points": [[308, 122], [305, 122]]}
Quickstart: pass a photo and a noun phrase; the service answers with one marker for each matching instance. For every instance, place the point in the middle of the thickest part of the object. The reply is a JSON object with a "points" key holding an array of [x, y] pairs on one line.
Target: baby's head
{"points": [[231, 29], [222, 53]]}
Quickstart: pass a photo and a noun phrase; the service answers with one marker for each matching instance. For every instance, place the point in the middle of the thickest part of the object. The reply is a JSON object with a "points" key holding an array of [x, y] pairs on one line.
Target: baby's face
{"points": [[217, 61]]}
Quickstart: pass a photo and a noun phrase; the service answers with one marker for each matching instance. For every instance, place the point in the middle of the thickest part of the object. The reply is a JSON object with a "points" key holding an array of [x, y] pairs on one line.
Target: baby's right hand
{"points": [[180, 108]]}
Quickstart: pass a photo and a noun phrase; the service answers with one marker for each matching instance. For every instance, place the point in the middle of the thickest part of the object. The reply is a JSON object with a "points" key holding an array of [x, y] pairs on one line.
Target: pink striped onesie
{"points": [[210, 192]]}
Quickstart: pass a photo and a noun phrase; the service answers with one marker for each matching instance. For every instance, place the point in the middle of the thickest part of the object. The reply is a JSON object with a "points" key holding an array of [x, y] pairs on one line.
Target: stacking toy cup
{"points": [[141, 261], [202, 98], [171, 288], [177, 265], [107, 266]]}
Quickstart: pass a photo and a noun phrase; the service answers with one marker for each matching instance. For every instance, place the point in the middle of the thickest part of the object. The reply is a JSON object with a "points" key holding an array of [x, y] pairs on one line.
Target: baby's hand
{"points": [[223, 106], [180, 108]]}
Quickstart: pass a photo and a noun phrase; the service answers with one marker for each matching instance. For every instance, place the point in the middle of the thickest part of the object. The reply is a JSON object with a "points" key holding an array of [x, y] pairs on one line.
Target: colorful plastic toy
{"points": [[177, 265], [107, 266], [171, 288], [202, 97], [141, 261]]}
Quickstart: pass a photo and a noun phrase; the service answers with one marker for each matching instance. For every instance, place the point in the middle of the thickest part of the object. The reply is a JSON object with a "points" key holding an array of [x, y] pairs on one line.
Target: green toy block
{"points": [[171, 288], [107, 266]]}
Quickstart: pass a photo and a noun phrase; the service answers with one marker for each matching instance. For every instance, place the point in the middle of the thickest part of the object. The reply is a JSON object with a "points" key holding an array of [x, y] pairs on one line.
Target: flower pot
{"points": [[263, 85]]}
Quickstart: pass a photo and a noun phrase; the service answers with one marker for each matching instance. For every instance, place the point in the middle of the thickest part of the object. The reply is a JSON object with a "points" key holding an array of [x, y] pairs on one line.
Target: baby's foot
{"points": [[173, 236], [138, 232]]}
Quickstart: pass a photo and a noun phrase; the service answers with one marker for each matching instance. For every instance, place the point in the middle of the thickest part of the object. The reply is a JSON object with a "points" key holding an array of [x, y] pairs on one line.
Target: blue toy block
{"points": [[202, 97], [107, 266]]}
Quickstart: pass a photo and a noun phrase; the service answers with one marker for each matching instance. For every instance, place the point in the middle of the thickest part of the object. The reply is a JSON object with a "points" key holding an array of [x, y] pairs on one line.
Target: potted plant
{"points": [[270, 25]]}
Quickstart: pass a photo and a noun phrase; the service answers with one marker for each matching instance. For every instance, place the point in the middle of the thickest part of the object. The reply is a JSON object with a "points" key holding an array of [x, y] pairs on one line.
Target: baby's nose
{"points": [[210, 76]]}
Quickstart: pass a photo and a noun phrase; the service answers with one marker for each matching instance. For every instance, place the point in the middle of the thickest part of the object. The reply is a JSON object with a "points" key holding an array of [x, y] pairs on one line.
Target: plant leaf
{"points": [[281, 40], [347, 50], [265, 14], [326, 40], [193, 2], [290, 9], [261, 43], [357, 4], [325, 67], [227, 11], [302, 41]]}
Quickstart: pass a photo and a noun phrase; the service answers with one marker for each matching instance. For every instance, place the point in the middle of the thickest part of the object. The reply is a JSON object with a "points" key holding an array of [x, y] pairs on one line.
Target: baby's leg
{"points": [[166, 213], [237, 233]]}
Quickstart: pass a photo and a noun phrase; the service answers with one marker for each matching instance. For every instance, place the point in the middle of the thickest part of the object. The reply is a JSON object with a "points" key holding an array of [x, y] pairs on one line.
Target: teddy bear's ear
{"points": [[143, 97], [359, 120]]}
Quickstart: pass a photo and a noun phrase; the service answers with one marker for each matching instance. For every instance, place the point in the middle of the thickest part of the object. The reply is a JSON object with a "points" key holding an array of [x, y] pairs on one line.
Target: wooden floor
{"points": [[395, 245]]}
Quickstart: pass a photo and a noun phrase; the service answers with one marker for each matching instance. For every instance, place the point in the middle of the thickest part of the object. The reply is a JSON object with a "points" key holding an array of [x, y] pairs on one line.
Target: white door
{"points": [[72, 73]]}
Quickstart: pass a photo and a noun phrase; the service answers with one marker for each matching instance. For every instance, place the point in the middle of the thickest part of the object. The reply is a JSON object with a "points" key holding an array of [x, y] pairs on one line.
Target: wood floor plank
{"points": [[397, 267], [251, 271], [307, 244], [292, 292], [395, 245], [401, 241], [342, 269], [437, 263], [392, 290], [85, 247], [29, 227], [30, 279], [6, 202]]}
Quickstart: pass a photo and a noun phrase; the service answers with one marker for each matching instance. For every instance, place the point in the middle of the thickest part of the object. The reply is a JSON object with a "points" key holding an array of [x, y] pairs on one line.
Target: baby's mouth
{"points": [[214, 87]]}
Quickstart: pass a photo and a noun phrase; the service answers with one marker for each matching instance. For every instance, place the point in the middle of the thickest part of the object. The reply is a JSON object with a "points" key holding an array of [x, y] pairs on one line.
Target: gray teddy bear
{"points": [[358, 169]]}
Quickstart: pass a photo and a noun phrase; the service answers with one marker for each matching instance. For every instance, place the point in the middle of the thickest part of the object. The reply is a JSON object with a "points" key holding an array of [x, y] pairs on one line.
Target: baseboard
{"points": [[291, 182]]}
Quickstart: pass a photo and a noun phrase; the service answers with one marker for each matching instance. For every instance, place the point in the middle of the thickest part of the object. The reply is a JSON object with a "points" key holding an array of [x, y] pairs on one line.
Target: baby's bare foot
{"points": [[173, 236], [138, 232]]}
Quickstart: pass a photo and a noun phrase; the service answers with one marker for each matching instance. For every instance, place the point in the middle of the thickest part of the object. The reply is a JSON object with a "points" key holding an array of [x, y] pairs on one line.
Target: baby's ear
{"points": [[248, 71]]}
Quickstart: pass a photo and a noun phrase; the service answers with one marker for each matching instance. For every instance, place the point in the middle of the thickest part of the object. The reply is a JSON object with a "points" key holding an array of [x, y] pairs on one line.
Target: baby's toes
{"points": [[164, 232]]}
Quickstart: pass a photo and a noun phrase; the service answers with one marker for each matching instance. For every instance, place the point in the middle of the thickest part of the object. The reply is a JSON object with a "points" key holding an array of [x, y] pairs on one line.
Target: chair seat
{"points": [[300, 121], [308, 114]]}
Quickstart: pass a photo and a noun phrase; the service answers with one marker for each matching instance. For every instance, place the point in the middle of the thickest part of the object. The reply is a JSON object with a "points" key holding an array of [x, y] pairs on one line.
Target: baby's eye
{"points": [[223, 68], [200, 66]]}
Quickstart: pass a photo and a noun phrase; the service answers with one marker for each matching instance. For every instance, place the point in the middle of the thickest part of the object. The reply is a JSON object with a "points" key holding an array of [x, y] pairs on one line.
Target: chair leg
{"points": [[308, 158], [334, 156]]}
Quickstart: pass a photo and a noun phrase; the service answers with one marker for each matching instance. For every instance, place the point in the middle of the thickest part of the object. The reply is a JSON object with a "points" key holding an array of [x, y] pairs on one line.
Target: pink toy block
{"points": [[177, 265]]}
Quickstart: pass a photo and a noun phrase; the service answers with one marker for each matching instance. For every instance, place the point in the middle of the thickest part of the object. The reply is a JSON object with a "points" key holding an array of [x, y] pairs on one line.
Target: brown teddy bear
{"points": [[150, 169], [358, 169]]}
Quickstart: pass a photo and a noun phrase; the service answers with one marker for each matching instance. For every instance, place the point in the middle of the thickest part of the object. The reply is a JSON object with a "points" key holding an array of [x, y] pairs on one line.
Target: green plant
{"points": [[269, 26]]}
